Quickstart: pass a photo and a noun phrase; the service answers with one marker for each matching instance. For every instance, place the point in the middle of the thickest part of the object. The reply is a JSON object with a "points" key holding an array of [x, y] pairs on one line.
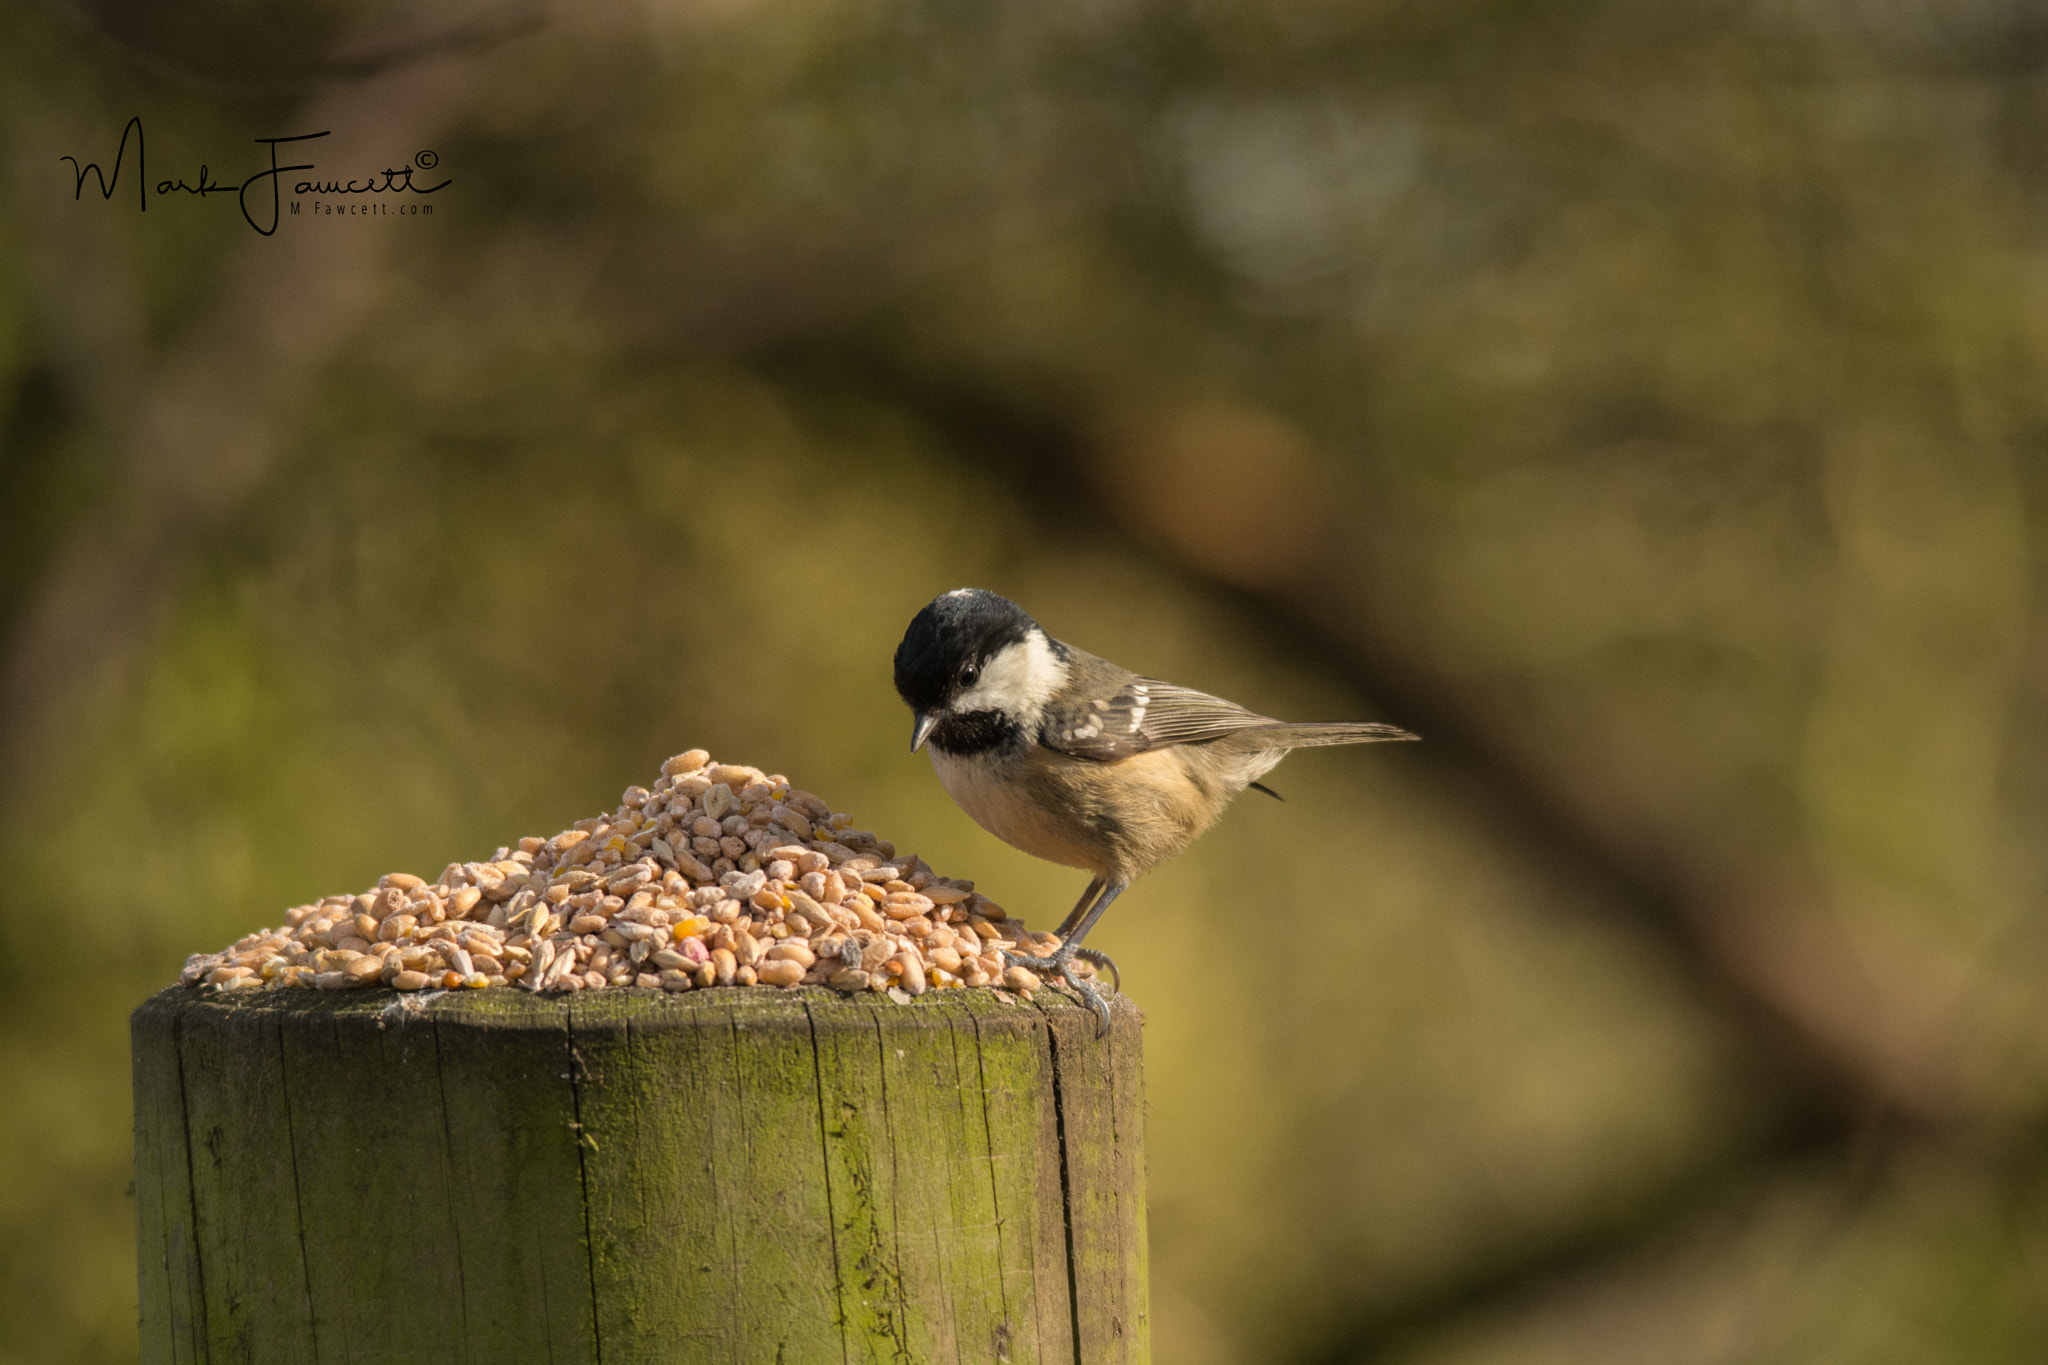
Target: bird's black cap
{"points": [[963, 625]]}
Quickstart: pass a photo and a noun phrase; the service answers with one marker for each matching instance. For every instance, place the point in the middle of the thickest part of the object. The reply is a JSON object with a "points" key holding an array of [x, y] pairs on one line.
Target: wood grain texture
{"points": [[167, 1251], [732, 1176]]}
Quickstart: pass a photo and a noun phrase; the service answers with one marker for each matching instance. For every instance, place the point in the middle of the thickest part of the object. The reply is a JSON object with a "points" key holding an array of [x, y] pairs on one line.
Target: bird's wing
{"points": [[1145, 714]]}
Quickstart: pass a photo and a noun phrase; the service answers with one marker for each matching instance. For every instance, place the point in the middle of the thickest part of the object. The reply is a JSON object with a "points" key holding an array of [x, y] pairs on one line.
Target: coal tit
{"points": [[1075, 760]]}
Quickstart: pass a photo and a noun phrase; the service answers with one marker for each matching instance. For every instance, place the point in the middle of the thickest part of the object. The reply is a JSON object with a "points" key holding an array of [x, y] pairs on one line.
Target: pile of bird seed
{"points": [[721, 875]]}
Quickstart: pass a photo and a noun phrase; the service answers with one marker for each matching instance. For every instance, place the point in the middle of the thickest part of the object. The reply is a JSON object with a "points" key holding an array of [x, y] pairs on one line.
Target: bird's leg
{"points": [[1080, 908], [1092, 956], [1066, 930], [1096, 899]]}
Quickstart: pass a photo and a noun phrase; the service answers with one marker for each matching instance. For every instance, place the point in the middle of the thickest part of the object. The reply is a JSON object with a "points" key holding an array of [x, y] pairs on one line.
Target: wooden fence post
{"points": [[737, 1176]]}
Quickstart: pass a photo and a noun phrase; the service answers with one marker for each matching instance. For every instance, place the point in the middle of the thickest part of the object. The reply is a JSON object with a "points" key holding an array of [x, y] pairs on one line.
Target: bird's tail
{"points": [[1282, 735]]}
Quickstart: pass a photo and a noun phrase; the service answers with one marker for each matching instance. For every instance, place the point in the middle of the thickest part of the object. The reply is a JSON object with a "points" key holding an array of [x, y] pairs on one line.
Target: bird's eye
{"points": [[970, 674]]}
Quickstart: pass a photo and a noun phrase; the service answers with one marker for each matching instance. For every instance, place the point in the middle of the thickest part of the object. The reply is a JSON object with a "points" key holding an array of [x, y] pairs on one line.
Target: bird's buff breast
{"points": [[1005, 809]]}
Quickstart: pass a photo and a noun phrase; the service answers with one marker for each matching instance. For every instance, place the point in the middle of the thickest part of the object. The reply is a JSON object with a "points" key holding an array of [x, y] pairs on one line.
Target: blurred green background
{"points": [[1646, 402]]}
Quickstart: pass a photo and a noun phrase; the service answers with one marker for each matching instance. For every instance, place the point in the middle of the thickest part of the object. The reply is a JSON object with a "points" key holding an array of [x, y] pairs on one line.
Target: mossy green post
{"points": [[736, 1176]]}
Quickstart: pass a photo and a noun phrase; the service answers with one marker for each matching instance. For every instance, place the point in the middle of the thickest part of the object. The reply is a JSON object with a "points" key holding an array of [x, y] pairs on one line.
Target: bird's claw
{"points": [[1092, 996], [1100, 959], [1061, 967]]}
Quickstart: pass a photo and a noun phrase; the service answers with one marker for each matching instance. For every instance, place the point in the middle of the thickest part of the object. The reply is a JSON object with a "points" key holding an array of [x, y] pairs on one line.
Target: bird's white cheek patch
{"points": [[1018, 681]]}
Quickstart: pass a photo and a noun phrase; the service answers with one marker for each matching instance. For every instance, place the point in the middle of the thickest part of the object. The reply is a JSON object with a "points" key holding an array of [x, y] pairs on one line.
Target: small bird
{"points": [[1075, 760]]}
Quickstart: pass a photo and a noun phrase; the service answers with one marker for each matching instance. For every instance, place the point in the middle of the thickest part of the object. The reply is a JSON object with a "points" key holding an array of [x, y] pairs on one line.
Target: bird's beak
{"points": [[925, 721]]}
